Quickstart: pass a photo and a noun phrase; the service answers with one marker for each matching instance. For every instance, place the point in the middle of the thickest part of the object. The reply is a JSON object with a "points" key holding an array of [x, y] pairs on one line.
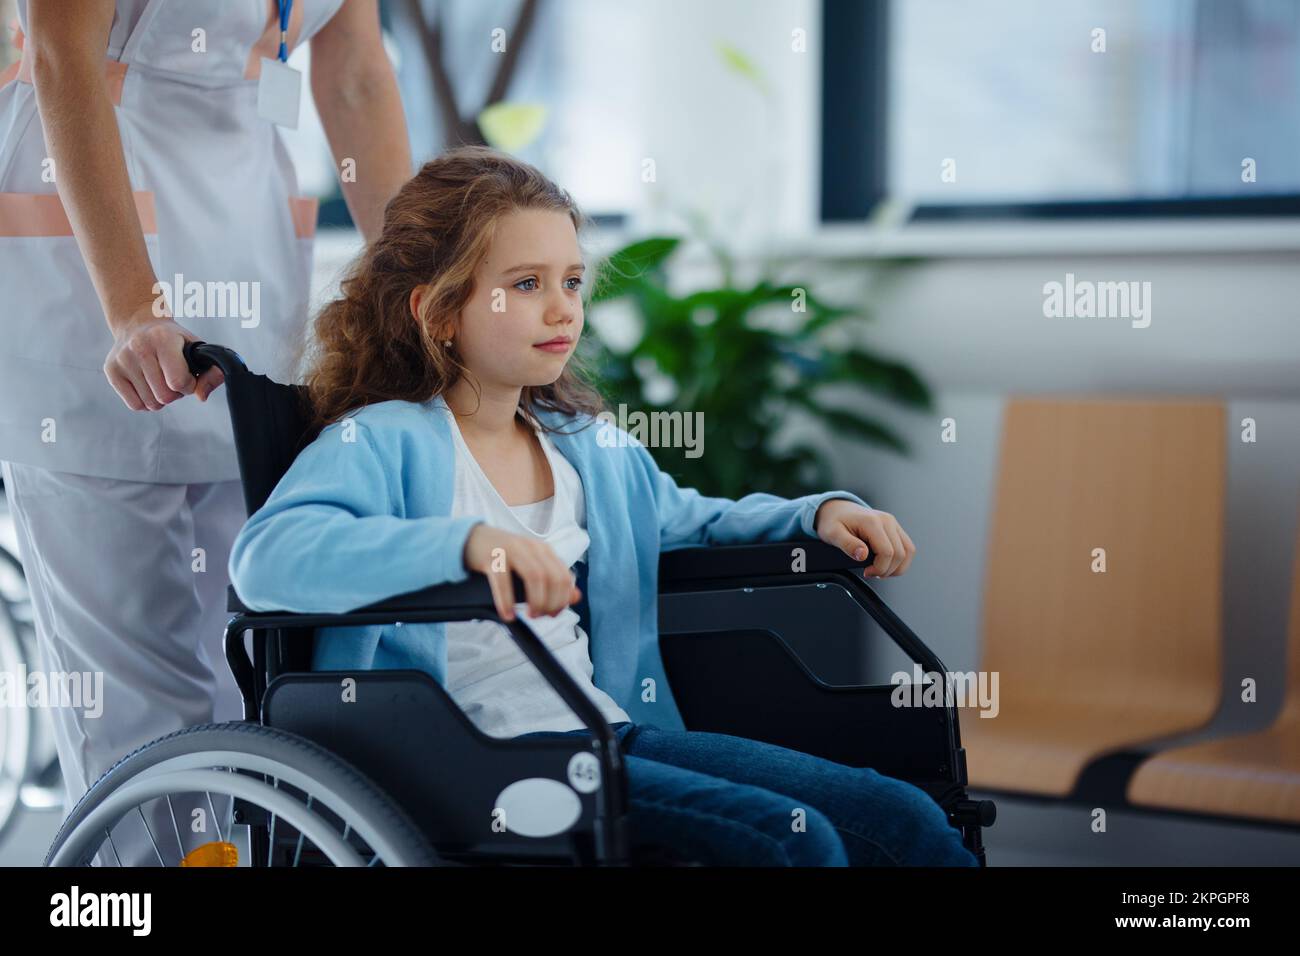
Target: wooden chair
{"points": [[1093, 663], [1246, 775]]}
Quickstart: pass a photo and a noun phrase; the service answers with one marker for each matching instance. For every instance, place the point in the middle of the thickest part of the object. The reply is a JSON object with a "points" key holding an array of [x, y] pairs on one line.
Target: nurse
{"points": [[138, 142]]}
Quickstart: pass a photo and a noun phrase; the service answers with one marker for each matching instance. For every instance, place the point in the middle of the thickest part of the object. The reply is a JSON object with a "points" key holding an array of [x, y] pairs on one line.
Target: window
{"points": [[1075, 107], [582, 62]]}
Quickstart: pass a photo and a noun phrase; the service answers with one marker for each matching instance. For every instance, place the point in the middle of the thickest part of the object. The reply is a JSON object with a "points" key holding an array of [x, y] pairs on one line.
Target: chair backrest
{"points": [[1144, 481], [1291, 703], [271, 421]]}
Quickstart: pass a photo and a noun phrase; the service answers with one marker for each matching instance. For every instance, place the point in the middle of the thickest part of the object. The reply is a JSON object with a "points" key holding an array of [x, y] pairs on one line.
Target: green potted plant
{"points": [[709, 355]]}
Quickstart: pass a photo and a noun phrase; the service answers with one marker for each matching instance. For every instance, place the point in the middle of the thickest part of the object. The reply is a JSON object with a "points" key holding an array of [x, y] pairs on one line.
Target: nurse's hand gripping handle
{"points": [[143, 365], [200, 356]]}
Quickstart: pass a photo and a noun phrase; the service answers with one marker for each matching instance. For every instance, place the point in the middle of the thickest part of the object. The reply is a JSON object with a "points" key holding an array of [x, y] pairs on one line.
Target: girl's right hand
{"points": [[551, 587]]}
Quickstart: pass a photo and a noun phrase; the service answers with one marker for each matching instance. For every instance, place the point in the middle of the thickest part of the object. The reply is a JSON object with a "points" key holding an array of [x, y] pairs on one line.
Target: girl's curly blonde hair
{"points": [[437, 229]]}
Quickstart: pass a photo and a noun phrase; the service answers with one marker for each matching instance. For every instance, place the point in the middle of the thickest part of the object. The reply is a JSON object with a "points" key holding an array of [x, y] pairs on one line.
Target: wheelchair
{"points": [[29, 765], [381, 767]]}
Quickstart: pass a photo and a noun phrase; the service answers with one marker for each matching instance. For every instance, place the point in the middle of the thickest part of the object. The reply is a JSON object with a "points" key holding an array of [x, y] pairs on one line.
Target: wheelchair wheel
{"points": [[17, 722], [243, 795], [29, 762]]}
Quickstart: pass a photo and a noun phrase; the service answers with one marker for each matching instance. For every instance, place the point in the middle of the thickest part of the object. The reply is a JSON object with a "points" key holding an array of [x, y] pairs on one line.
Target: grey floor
{"points": [[1027, 833], [29, 838], [1032, 833]]}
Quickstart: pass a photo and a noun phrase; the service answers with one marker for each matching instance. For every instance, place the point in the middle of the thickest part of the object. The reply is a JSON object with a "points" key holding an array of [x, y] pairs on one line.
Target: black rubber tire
{"points": [[303, 754]]}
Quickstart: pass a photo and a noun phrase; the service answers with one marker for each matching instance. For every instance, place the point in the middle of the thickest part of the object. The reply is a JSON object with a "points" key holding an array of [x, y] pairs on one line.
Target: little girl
{"points": [[458, 435]]}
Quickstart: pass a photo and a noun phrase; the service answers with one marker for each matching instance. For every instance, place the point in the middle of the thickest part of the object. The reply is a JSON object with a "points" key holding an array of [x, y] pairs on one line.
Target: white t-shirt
{"points": [[487, 675]]}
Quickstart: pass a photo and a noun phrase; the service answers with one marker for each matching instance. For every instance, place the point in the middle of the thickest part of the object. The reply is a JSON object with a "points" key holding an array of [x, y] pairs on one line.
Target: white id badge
{"points": [[279, 89]]}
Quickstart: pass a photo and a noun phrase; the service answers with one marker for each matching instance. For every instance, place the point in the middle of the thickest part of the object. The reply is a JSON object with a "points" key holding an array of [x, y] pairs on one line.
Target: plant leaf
{"points": [[741, 65], [510, 127], [864, 429], [878, 375], [629, 267]]}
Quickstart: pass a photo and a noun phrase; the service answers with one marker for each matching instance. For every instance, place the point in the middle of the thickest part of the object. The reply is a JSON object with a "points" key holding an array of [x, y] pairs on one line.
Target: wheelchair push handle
{"points": [[198, 361], [201, 356]]}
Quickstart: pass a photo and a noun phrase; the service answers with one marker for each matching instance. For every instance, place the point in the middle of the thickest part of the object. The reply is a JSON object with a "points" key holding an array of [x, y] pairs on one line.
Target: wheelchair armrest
{"points": [[752, 560], [472, 594], [680, 566]]}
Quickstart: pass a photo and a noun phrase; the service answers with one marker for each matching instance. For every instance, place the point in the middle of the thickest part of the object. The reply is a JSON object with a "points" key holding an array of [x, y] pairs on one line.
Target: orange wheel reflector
{"points": [[212, 854]]}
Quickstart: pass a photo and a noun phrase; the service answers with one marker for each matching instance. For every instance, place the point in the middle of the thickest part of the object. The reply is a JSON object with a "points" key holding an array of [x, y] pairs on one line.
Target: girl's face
{"points": [[527, 293]]}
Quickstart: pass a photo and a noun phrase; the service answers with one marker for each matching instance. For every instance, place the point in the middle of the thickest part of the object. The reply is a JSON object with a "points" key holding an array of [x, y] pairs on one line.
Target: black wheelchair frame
{"points": [[394, 720]]}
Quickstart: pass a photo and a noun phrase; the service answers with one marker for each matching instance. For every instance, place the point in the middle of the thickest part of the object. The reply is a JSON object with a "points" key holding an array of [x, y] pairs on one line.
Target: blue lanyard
{"points": [[285, 7]]}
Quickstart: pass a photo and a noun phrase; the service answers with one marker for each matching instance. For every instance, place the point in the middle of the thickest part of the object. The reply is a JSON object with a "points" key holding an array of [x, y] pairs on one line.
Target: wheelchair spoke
{"points": [[113, 846], [230, 811], [270, 848], [216, 821], [171, 810], [140, 811], [297, 853]]}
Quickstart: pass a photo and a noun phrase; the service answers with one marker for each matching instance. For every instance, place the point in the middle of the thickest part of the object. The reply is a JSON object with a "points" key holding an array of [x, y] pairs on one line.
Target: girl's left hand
{"points": [[853, 528]]}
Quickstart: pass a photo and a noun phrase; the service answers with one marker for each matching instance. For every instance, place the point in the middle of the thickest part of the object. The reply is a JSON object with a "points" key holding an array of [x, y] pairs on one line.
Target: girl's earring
{"points": [[447, 343]]}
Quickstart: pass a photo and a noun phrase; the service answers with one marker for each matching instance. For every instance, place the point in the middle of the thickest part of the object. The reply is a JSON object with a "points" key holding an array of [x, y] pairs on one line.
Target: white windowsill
{"points": [[1018, 239], [967, 240]]}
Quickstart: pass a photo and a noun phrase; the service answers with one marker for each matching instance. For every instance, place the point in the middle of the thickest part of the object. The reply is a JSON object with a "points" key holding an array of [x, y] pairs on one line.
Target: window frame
{"points": [[854, 156]]}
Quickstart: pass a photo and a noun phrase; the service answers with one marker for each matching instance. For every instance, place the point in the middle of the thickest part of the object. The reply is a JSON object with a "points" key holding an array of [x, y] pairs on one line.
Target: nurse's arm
{"points": [[67, 43], [361, 110]]}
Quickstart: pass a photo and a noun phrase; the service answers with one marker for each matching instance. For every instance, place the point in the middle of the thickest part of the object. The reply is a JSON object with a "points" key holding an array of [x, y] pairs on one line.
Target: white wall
{"points": [[1222, 325]]}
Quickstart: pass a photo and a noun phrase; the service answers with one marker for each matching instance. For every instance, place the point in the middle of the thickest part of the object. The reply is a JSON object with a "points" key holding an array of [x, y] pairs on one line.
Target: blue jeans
{"points": [[729, 801]]}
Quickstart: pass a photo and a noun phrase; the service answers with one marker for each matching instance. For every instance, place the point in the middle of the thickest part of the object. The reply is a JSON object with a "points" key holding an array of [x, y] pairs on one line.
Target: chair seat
{"points": [[1042, 746], [1102, 605], [1249, 775]]}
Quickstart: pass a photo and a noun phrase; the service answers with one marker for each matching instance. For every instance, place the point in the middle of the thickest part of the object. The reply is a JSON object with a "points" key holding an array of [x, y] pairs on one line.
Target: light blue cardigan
{"points": [[363, 514]]}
